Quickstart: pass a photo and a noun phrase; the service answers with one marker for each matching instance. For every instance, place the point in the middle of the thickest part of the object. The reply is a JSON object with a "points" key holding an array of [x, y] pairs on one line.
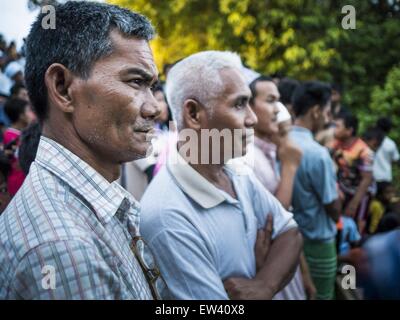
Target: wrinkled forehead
{"points": [[233, 82], [130, 52]]}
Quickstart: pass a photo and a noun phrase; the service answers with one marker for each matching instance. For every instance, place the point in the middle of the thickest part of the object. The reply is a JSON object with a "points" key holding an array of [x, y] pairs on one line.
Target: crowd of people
{"points": [[81, 192]]}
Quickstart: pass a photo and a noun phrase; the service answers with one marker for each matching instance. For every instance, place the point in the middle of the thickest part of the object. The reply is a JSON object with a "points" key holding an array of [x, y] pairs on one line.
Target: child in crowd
{"points": [[19, 113], [385, 196]]}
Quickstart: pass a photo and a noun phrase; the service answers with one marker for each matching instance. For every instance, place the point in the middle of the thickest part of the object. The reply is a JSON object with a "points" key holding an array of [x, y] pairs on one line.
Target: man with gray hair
{"points": [[71, 232], [210, 225]]}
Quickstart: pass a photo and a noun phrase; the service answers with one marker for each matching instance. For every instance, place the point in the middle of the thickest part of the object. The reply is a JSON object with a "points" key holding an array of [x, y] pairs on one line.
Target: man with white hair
{"points": [[210, 226]]}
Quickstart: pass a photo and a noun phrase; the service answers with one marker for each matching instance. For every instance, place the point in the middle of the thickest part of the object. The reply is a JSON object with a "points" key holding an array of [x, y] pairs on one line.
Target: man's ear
{"points": [[316, 112], [192, 114], [58, 80]]}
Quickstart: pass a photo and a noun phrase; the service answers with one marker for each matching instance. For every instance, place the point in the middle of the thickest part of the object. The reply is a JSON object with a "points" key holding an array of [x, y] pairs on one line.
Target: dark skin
{"points": [[108, 118], [232, 111]]}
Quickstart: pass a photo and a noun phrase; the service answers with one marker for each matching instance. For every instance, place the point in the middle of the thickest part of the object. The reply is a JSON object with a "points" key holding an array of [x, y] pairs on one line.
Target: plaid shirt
{"points": [[66, 234]]}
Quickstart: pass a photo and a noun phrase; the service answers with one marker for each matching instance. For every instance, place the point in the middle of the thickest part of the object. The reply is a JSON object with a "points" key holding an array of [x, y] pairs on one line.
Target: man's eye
{"points": [[240, 104], [138, 82]]}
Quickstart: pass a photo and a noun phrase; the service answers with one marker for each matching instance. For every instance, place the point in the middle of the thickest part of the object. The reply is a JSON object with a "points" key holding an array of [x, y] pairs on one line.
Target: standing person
{"points": [[286, 88], [386, 155], [269, 146], [19, 91], [18, 112], [354, 160], [209, 223], [326, 137], [315, 201], [90, 82]]}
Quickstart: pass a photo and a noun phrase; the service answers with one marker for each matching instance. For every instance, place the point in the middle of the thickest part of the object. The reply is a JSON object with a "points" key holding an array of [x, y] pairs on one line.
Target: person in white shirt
{"points": [[386, 154]]}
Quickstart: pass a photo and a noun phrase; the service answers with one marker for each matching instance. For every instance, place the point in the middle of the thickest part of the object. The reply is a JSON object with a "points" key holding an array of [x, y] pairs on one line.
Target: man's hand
{"points": [[263, 242], [247, 289], [309, 288], [351, 209], [288, 153]]}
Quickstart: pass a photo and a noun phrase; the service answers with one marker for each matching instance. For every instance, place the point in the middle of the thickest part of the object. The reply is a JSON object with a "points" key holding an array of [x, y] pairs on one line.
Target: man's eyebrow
{"points": [[277, 96], [144, 74], [242, 97]]}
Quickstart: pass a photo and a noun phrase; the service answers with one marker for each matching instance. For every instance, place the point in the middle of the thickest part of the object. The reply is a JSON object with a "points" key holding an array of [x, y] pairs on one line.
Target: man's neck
{"points": [[214, 173], [348, 141], [110, 171], [261, 136], [18, 125], [304, 123]]}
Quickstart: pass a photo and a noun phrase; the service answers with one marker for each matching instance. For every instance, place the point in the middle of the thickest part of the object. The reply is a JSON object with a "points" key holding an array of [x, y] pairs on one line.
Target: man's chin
{"points": [[144, 151]]}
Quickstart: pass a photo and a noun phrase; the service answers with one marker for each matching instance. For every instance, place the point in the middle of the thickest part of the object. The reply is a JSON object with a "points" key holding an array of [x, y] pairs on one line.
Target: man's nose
{"points": [[151, 109], [276, 109], [251, 118]]}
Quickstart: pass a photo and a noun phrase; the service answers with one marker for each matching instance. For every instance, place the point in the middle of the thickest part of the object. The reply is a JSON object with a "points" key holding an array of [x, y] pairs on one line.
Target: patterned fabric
{"points": [[352, 161], [321, 259], [66, 234]]}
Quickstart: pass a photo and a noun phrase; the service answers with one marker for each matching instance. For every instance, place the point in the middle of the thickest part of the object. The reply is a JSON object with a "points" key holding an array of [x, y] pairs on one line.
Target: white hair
{"points": [[197, 77]]}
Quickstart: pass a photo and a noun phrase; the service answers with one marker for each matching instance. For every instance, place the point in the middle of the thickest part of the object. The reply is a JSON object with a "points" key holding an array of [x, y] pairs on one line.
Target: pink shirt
{"points": [[265, 164], [16, 176]]}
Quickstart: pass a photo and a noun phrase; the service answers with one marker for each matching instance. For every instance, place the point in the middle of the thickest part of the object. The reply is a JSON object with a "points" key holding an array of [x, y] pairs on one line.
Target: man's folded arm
{"points": [[282, 260]]}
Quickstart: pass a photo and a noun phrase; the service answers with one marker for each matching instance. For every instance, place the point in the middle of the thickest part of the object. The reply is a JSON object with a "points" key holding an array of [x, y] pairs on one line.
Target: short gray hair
{"points": [[197, 77]]}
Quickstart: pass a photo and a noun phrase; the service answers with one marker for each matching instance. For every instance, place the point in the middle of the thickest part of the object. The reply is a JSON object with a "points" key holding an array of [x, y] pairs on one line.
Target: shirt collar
{"points": [[194, 184], [105, 197], [268, 148], [306, 132]]}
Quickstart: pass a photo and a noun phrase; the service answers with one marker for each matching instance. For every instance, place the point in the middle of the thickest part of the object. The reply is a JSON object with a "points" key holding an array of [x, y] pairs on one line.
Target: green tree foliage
{"points": [[385, 101], [297, 38]]}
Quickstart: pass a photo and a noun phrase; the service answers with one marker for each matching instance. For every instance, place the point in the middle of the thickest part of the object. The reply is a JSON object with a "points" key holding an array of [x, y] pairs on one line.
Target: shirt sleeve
{"points": [[64, 270], [395, 154], [366, 160], [323, 178], [186, 261], [354, 234], [265, 203]]}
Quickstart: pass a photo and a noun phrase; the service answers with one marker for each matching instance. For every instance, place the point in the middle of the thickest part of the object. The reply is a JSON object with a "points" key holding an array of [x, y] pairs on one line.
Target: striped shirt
{"points": [[66, 234]]}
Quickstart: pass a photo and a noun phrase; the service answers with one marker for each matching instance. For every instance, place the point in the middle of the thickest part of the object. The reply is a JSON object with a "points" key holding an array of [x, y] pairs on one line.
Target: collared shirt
{"points": [[66, 234], [265, 170], [201, 234], [384, 156], [265, 164], [314, 186]]}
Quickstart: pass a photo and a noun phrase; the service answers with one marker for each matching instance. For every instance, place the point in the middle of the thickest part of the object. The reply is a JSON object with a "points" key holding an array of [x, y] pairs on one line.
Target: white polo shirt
{"points": [[201, 235]]}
